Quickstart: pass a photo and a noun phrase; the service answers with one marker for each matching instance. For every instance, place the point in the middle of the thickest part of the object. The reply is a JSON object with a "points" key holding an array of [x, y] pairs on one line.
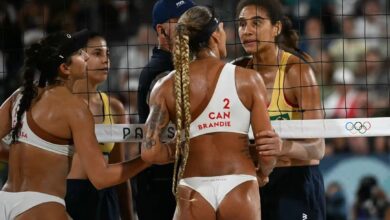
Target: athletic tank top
{"points": [[225, 111], [30, 133], [106, 148], [279, 108]]}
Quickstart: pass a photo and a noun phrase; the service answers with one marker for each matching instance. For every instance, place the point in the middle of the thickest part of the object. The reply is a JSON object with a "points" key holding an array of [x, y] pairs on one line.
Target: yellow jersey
{"points": [[279, 108], [106, 148]]}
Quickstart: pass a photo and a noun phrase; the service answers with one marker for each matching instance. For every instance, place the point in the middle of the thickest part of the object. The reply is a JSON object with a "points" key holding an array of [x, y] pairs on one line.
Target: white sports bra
{"points": [[30, 133], [225, 111]]}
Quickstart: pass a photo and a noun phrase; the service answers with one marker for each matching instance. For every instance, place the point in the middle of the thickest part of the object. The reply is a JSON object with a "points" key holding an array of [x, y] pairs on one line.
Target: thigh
{"points": [[192, 206], [246, 196], [45, 211]]}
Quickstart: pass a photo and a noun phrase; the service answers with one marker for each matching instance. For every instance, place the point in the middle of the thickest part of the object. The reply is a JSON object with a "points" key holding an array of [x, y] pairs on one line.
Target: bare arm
{"points": [[118, 155], [260, 122], [153, 150], [259, 117], [100, 173], [305, 94], [6, 124]]}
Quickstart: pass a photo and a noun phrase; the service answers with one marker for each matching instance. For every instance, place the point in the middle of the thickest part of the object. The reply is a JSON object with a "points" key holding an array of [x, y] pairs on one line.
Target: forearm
{"points": [[114, 174], [160, 153], [266, 164], [308, 149], [130, 168]]}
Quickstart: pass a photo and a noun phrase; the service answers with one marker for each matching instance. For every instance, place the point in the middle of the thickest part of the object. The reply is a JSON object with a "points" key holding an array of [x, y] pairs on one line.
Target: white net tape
{"points": [[293, 129], [318, 128]]}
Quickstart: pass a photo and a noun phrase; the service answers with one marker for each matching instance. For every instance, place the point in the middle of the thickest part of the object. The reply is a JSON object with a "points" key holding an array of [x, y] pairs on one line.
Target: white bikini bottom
{"points": [[215, 188], [13, 204]]}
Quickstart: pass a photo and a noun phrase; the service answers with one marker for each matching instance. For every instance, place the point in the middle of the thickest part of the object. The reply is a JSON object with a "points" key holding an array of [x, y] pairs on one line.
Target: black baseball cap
{"points": [[164, 10], [70, 43]]}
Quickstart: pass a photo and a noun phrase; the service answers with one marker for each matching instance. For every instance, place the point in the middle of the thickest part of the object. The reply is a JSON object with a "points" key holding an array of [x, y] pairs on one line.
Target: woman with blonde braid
{"points": [[213, 103]]}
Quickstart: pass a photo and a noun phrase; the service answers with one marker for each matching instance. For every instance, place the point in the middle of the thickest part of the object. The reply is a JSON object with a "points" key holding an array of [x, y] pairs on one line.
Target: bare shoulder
{"points": [[75, 107], [299, 72], [16, 93], [5, 115], [295, 63], [162, 93], [242, 61], [116, 105], [8, 104], [248, 76], [166, 80], [163, 85], [11, 99]]}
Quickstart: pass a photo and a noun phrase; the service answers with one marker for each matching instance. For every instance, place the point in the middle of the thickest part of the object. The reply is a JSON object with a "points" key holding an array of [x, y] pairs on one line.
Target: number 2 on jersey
{"points": [[227, 103]]}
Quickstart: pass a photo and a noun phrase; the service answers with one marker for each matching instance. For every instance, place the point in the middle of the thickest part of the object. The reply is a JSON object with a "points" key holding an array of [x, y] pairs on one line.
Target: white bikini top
{"points": [[30, 133], [225, 111]]}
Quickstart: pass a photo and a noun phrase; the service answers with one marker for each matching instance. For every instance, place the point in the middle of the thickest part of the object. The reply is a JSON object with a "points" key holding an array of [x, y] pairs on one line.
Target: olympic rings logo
{"points": [[358, 127]]}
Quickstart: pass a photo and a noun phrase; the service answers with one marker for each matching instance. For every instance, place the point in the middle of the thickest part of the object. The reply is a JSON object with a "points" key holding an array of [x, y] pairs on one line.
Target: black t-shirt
{"points": [[160, 62]]}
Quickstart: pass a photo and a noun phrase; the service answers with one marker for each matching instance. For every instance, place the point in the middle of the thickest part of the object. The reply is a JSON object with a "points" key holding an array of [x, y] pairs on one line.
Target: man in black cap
{"points": [[152, 188]]}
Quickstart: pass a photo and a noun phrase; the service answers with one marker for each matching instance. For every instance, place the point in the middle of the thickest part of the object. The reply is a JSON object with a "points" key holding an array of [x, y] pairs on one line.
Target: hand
{"points": [[261, 179], [268, 143]]}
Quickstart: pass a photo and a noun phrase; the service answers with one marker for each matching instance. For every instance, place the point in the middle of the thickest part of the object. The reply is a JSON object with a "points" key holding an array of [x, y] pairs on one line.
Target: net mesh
{"points": [[347, 39], [349, 44]]}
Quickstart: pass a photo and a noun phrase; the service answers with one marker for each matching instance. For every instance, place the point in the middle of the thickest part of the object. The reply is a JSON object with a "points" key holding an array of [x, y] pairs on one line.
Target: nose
{"points": [[247, 30], [106, 59]]}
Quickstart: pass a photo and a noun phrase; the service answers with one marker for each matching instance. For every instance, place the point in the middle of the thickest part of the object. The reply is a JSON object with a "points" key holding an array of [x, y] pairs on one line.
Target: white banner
{"points": [[294, 129]]}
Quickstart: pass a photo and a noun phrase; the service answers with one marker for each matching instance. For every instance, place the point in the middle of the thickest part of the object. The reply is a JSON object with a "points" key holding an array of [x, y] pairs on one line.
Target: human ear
{"points": [[64, 70], [277, 28], [160, 30], [215, 36]]}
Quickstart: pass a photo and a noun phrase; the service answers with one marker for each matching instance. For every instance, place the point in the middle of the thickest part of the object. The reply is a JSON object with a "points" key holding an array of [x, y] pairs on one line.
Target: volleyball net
{"points": [[349, 43]]}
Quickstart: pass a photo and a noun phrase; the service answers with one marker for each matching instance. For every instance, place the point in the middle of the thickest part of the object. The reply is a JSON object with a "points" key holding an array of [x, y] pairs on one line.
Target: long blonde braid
{"points": [[186, 103], [189, 25], [181, 88]]}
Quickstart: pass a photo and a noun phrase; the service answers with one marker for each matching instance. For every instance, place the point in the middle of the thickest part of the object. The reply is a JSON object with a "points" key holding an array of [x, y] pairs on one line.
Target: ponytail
{"points": [[288, 41], [288, 38], [29, 90]]}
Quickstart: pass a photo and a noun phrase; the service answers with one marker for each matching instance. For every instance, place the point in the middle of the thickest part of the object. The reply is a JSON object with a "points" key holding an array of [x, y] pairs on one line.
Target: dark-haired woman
{"points": [[214, 103], [295, 189], [83, 200], [48, 123]]}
